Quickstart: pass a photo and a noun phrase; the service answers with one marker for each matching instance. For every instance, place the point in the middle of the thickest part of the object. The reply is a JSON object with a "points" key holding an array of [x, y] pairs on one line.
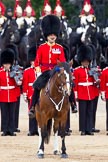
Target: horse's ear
{"points": [[71, 63]]}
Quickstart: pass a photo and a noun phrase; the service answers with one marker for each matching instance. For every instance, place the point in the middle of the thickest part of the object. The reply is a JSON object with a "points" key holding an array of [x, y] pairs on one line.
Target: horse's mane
{"points": [[64, 65]]}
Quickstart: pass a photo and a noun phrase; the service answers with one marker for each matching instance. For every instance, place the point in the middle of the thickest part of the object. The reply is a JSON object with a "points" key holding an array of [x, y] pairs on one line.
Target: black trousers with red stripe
{"points": [[85, 115], [8, 116]]}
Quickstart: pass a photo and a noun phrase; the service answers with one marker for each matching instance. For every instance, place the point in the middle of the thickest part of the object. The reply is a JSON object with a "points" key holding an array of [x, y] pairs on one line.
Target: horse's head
{"points": [[10, 31], [63, 78]]}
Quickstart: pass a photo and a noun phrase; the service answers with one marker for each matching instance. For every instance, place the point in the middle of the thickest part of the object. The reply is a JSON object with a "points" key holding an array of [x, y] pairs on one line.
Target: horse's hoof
{"points": [[64, 156], [40, 156], [56, 152]]}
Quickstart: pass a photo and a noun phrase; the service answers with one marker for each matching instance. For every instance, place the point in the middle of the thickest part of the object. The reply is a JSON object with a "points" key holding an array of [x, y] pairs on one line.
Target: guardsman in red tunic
{"points": [[84, 90], [29, 77], [47, 56], [104, 91], [8, 95]]}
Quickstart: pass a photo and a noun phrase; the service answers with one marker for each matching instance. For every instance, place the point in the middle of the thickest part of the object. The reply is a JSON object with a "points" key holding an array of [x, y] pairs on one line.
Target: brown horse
{"points": [[54, 104]]}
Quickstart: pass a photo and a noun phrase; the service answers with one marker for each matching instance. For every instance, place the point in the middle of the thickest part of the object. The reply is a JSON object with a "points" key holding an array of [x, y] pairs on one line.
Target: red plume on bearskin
{"points": [[2, 8], [29, 7], [17, 5], [87, 5], [46, 7], [58, 8]]}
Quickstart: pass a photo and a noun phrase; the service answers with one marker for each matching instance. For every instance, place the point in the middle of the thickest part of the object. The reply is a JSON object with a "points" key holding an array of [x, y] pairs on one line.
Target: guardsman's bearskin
{"points": [[32, 53], [84, 53], [14, 48], [93, 50], [50, 25], [7, 56]]}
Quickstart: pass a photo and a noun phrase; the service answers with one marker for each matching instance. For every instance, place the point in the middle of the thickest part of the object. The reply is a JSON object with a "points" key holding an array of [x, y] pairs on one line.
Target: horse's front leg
{"points": [[40, 152], [63, 147], [56, 142]]}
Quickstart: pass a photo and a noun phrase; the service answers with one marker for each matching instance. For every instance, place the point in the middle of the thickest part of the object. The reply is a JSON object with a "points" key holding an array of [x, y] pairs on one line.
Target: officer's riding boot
{"points": [[73, 102], [34, 101]]}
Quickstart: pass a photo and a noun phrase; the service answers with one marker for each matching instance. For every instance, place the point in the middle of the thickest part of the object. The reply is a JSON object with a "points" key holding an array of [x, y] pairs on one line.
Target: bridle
{"points": [[60, 88]]}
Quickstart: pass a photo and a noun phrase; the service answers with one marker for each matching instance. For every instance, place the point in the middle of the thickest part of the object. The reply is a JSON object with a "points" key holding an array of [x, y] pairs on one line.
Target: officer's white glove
{"points": [[25, 97], [19, 83], [103, 96], [38, 74], [38, 71], [76, 95]]}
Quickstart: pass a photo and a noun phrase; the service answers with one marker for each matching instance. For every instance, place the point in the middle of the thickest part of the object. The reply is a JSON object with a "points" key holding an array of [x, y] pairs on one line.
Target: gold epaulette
{"points": [[81, 15], [64, 17], [94, 18], [59, 45], [105, 68], [27, 68], [78, 67]]}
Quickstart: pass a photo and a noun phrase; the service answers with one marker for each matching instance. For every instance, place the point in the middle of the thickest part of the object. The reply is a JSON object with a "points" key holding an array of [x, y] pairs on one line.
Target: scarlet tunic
{"points": [[48, 55], [104, 82], [7, 87], [83, 84], [29, 76]]}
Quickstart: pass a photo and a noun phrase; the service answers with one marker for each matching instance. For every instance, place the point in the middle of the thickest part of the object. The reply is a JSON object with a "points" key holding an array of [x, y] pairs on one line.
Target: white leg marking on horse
{"points": [[40, 138], [56, 146], [40, 151]]}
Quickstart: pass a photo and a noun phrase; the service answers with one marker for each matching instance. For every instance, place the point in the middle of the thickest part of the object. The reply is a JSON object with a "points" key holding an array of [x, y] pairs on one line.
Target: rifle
{"points": [[94, 72], [16, 73]]}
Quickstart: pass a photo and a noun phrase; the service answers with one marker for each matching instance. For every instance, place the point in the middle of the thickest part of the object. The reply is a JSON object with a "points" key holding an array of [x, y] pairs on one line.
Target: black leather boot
{"points": [[35, 98]]}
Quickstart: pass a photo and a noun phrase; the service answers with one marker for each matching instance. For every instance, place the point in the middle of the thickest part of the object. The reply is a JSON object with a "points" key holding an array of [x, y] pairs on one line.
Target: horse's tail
{"points": [[49, 126]]}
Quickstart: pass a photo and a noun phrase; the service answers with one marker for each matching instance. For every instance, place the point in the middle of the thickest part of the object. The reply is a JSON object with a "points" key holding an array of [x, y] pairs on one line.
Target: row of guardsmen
{"points": [[28, 16], [85, 90]]}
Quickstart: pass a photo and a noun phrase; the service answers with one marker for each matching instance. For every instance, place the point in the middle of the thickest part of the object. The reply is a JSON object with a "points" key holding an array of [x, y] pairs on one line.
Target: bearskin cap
{"points": [[32, 53], [50, 25], [84, 53], [14, 48], [7, 56], [93, 48]]}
